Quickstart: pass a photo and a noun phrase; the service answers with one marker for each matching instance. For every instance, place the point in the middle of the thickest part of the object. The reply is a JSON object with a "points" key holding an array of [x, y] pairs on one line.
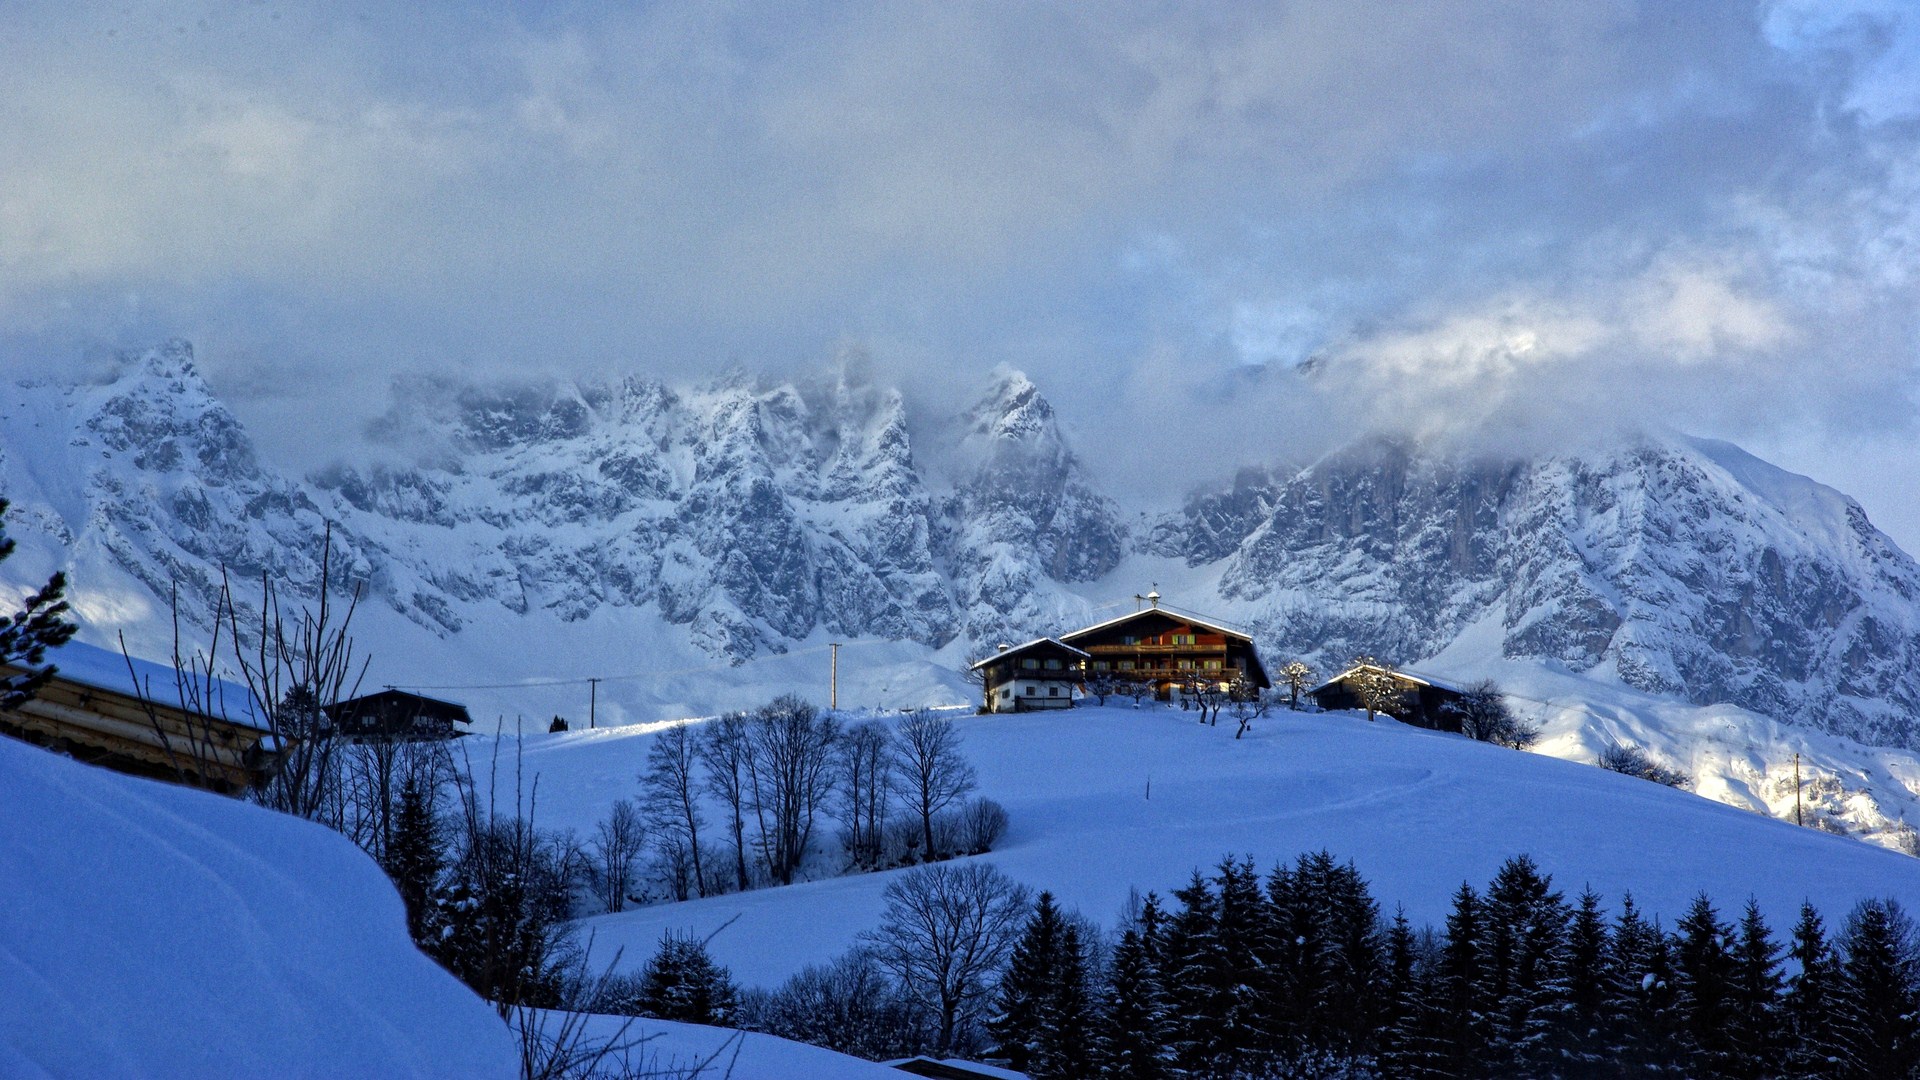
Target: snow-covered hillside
{"points": [[154, 931], [1105, 801], [697, 548]]}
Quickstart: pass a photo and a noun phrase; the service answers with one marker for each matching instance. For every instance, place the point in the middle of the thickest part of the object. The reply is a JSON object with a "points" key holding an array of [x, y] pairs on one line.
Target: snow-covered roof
{"points": [[107, 669], [1181, 616], [1403, 674], [1004, 653]]}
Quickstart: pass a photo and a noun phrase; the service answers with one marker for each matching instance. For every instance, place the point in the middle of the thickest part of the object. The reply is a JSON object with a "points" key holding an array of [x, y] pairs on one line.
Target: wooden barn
{"points": [[1167, 648], [94, 711], [1422, 701], [397, 714], [1038, 675]]}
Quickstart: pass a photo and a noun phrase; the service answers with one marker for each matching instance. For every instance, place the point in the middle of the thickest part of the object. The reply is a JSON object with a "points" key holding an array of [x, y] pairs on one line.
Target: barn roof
{"points": [[107, 669], [1404, 674], [1171, 613], [1017, 649]]}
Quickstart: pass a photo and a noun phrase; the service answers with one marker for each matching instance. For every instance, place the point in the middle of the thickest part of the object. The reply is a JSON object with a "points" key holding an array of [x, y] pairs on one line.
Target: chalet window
{"points": [[1030, 664], [1186, 665], [1053, 691], [1129, 639], [1126, 665], [1183, 639], [1006, 691], [1053, 665], [1029, 690], [1100, 665], [1213, 665]]}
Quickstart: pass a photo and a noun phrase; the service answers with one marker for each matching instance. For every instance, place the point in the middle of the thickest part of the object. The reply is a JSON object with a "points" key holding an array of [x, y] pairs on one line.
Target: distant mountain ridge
{"points": [[747, 516]]}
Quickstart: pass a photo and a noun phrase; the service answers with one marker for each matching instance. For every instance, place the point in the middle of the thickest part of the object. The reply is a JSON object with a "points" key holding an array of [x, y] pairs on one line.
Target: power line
{"points": [[583, 680]]}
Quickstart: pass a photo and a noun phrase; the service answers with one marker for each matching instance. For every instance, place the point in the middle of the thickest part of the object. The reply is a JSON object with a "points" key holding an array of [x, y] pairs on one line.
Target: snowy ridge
{"points": [[706, 543]]}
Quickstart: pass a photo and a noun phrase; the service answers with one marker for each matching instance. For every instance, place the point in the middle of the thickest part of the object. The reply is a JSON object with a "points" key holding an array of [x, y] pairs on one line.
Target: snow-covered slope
{"points": [[1108, 800], [154, 931]]}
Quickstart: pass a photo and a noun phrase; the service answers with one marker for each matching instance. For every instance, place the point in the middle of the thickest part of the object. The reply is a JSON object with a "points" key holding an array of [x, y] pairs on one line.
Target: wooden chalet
{"points": [[1167, 649], [397, 714], [1422, 700], [1038, 675], [94, 711]]}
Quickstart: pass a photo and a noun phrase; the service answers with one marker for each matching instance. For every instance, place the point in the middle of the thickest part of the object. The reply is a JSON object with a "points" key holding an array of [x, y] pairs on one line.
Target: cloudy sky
{"points": [[1506, 221]]}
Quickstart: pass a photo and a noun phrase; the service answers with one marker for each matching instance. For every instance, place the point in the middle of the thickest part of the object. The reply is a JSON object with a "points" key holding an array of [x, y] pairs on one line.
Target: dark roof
{"points": [[420, 702], [1176, 616], [953, 1069], [1033, 645]]}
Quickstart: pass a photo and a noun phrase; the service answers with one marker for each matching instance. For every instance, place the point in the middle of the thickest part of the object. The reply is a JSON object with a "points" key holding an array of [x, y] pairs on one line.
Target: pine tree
{"points": [[683, 983], [1407, 1047], [1463, 1019], [1064, 1050], [1524, 969], [415, 859], [1132, 1041], [1756, 1021], [1190, 972], [1587, 945], [1810, 1023], [1640, 981], [39, 624], [1245, 925], [1030, 978], [1703, 986], [1879, 999]]}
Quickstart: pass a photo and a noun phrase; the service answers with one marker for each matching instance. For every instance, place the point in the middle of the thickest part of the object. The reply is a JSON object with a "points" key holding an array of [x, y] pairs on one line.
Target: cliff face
{"points": [[746, 517]]}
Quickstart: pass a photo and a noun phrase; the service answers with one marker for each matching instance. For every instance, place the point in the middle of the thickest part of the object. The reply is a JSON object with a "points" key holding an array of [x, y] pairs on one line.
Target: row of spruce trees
{"points": [[1299, 975]]}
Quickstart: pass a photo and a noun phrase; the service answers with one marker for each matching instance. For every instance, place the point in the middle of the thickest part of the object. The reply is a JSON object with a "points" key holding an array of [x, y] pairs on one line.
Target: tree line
{"points": [[1298, 974]]}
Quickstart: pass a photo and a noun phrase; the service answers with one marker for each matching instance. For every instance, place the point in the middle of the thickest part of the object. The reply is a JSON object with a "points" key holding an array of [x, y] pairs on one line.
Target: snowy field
{"points": [[152, 931], [1105, 801]]}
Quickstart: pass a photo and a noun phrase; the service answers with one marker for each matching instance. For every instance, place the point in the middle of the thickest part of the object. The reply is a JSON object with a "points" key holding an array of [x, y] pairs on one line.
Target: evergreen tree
{"points": [[415, 859], [1190, 971], [1524, 969], [1587, 945], [1703, 987], [1640, 982], [683, 983], [1131, 1044], [1064, 1050], [1032, 971], [1463, 1019], [1245, 925], [1810, 1023], [1879, 999], [39, 624], [1407, 1047], [1756, 1020]]}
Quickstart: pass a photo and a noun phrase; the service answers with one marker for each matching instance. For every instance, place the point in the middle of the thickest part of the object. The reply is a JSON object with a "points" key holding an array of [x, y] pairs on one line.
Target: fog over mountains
{"points": [[743, 518]]}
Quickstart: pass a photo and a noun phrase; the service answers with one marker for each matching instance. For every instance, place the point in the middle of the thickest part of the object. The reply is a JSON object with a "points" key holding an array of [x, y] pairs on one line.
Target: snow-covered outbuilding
{"points": [[1422, 701], [1040, 674], [139, 717]]}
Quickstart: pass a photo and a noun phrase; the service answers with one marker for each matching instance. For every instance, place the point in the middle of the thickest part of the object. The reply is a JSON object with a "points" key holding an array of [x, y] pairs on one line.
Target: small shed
{"points": [[1040, 674], [106, 709], [1422, 700], [398, 714]]}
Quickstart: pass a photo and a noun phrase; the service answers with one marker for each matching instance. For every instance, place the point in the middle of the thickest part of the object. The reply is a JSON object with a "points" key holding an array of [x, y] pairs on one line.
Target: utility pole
{"points": [[1796, 789], [593, 700], [833, 691]]}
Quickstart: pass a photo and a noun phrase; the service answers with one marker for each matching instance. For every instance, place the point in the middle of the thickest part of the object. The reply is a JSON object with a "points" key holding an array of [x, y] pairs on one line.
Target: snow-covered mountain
{"points": [[637, 526]]}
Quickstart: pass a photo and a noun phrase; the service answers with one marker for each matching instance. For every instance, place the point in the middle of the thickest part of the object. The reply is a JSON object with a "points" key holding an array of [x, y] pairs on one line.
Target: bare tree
{"points": [[946, 931], [726, 749], [790, 778], [668, 793], [1375, 684], [1483, 714], [933, 773], [311, 653], [1137, 689], [1246, 703], [865, 764], [616, 846], [373, 772], [1296, 675], [1101, 686]]}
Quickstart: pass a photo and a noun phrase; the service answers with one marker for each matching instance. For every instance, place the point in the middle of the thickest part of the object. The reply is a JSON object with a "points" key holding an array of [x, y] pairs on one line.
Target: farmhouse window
{"points": [[1030, 664]]}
